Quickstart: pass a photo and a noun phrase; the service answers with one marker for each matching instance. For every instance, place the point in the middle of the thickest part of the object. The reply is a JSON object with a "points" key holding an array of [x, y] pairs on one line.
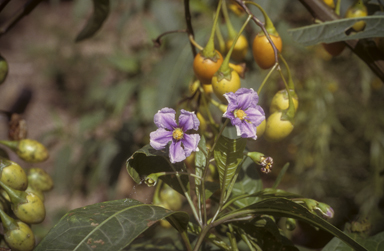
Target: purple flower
{"points": [[244, 112], [183, 144]]}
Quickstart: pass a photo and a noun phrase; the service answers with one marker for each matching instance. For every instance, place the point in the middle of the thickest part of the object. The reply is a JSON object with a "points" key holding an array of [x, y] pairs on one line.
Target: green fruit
{"points": [[39, 179], [37, 192], [357, 10], [26, 206], [32, 211], [171, 197], [3, 69], [17, 234], [281, 101], [21, 238], [277, 128], [28, 150], [13, 175]]}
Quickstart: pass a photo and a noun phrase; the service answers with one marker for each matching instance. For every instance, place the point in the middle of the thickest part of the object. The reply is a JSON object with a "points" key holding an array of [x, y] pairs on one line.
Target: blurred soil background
{"points": [[92, 102]]}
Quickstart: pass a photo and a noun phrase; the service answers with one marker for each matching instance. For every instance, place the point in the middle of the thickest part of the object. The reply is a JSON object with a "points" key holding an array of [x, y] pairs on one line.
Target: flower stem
{"points": [[224, 68], [209, 49], [266, 78]]}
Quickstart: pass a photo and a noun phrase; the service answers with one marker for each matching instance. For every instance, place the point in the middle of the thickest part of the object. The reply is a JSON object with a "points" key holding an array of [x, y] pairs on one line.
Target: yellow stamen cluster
{"points": [[240, 114], [177, 134]]}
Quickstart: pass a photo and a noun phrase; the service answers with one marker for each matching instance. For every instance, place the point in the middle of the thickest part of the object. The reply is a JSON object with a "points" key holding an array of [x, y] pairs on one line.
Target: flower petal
{"points": [[246, 130], [231, 97], [160, 138], [190, 143], [165, 118], [188, 120], [255, 115], [176, 152], [246, 98]]}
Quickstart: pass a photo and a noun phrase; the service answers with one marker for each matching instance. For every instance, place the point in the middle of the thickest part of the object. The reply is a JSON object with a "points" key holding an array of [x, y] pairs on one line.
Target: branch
{"points": [[28, 7], [365, 49], [189, 25]]}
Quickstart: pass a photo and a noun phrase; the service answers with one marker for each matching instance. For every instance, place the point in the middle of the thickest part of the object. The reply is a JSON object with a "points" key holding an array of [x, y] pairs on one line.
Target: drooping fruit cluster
{"points": [[21, 193]]}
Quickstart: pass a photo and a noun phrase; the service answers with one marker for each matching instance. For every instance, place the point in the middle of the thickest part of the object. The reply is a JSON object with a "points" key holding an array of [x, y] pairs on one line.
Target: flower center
{"points": [[240, 114], [177, 134]]}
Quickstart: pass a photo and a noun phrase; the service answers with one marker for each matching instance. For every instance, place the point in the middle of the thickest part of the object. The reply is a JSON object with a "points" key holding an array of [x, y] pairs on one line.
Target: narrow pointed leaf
{"points": [[94, 23], [148, 160], [228, 154], [200, 160], [280, 176], [104, 226], [281, 207], [334, 31]]}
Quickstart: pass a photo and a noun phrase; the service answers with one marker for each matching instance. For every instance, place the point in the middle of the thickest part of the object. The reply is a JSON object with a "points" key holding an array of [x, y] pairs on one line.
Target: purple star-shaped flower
{"points": [[244, 112], [183, 144]]}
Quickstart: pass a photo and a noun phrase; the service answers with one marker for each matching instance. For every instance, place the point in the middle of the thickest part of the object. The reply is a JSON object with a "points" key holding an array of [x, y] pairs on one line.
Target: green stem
{"points": [[266, 78], [232, 238], [156, 195], [224, 68], [290, 112], [209, 49], [290, 81], [231, 30], [184, 236], [337, 8], [270, 28], [8, 222], [16, 196], [11, 144], [186, 194], [245, 238]]}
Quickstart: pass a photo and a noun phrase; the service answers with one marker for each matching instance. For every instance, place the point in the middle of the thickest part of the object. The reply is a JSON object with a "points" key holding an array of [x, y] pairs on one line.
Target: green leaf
{"points": [[148, 160], [280, 176], [228, 154], [94, 23], [281, 207], [200, 160], [124, 63], [373, 243], [333, 31], [110, 225], [248, 182], [210, 188]]}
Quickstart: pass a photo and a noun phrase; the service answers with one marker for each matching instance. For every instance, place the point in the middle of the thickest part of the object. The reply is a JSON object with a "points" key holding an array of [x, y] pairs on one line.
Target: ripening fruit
{"points": [[35, 191], [171, 197], [205, 68], [14, 176], [28, 150], [335, 48], [32, 211], [39, 179], [222, 86], [3, 69], [261, 128], [20, 238], [263, 52], [240, 50], [276, 128], [281, 101], [359, 10], [193, 87], [17, 234], [330, 3], [203, 123]]}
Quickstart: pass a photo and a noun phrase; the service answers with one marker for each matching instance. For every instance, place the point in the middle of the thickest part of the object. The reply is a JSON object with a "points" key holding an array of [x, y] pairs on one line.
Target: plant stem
{"points": [[188, 18], [27, 8], [193, 41], [290, 81], [224, 68], [209, 49], [261, 25], [266, 78], [231, 30]]}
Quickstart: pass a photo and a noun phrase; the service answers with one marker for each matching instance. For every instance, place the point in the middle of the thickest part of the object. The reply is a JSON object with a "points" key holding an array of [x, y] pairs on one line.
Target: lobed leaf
{"points": [[94, 23], [110, 225], [338, 30], [148, 160]]}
